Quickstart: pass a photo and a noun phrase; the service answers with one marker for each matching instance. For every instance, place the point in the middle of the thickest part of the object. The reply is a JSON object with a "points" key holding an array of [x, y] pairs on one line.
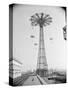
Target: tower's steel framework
{"points": [[41, 20], [42, 66]]}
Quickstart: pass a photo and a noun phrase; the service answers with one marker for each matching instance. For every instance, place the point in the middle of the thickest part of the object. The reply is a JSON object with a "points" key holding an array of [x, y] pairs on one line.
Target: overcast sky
{"points": [[24, 49]]}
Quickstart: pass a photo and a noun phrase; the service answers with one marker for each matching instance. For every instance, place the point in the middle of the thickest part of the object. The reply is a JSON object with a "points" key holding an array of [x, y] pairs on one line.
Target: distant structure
{"points": [[41, 20], [65, 27], [65, 32]]}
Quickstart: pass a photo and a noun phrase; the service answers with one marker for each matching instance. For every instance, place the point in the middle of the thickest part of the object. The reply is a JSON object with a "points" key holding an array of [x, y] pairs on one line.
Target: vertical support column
{"points": [[41, 63]]}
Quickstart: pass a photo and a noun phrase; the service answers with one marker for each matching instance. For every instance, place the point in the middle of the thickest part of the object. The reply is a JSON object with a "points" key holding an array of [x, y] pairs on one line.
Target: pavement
{"points": [[32, 80], [35, 80]]}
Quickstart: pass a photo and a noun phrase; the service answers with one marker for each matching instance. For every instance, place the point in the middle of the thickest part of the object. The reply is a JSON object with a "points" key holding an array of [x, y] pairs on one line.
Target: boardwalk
{"points": [[32, 80], [29, 80]]}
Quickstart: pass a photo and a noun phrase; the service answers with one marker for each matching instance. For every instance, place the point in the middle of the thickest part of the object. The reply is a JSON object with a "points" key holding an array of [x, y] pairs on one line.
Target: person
{"points": [[33, 79]]}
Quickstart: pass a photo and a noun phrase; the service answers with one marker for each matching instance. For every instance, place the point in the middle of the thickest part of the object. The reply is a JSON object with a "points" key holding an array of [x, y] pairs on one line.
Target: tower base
{"points": [[42, 72]]}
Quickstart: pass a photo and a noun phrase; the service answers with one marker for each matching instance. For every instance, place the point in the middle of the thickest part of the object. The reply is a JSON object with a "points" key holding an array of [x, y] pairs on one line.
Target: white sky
{"points": [[24, 49]]}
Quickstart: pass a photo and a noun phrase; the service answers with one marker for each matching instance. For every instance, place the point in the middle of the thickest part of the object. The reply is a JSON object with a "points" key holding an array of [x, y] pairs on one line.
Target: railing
{"points": [[41, 80]]}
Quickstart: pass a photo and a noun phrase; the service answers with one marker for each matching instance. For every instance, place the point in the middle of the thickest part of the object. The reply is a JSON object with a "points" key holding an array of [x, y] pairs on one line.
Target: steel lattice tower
{"points": [[41, 20], [42, 66]]}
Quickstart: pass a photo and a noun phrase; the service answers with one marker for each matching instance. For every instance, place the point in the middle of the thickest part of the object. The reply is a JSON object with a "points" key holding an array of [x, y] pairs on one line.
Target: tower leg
{"points": [[41, 64], [41, 72]]}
